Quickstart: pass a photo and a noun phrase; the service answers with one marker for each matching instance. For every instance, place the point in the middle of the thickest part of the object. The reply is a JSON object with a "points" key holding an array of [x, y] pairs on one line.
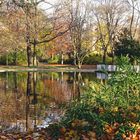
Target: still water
{"points": [[30, 100]]}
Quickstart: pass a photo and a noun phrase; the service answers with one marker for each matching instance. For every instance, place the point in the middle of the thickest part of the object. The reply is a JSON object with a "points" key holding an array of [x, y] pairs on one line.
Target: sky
{"points": [[46, 6]]}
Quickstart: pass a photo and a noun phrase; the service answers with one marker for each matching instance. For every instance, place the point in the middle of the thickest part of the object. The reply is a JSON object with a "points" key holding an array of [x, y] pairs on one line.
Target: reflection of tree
{"points": [[31, 93], [74, 84], [6, 81], [15, 82], [15, 106], [16, 94], [62, 76], [29, 86], [11, 107], [76, 79], [34, 101], [79, 76], [57, 89], [28, 93], [29, 109]]}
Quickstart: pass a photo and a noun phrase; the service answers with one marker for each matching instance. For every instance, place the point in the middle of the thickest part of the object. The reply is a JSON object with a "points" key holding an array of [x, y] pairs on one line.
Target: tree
{"points": [[109, 16], [81, 31], [126, 45], [62, 46], [34, 34], [133, 17]]}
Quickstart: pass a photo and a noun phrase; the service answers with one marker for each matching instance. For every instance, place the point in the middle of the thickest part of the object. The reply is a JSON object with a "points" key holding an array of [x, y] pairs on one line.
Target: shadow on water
{"points": [[33, 100]]}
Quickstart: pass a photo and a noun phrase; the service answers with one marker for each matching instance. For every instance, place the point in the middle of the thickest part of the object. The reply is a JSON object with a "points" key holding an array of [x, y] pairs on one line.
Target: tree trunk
{"points": [[113, 56], [28, 44], [7, 59], [74, 54], [62, 58], [34, 56], [29, 54], [104, 56], [79, 65]]}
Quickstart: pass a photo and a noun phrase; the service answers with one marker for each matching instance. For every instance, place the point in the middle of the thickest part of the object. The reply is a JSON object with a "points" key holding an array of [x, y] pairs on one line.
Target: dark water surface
{"points": [[30, 100]]}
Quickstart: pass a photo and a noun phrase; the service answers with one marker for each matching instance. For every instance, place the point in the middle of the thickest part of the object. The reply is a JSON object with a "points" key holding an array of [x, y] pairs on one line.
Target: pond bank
{"points": [[47, 68]]}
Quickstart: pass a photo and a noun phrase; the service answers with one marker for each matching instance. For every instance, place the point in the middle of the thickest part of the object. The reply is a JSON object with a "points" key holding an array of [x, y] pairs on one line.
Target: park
{"points": [[69, 70]]}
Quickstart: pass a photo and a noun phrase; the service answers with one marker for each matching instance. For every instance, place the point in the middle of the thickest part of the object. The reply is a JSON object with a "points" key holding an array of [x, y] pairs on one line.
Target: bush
{"points": [[126, 45], [21, 58], [110, 111], [96, 59], [54, 60], [4, 57]]}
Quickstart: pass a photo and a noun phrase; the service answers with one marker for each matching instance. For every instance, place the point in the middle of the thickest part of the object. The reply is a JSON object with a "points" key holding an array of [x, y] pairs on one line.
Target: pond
{"points": [[30, 100]]}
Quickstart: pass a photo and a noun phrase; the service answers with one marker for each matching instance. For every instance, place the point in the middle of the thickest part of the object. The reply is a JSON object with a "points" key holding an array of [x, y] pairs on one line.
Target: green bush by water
{"points": [[113, 109]]}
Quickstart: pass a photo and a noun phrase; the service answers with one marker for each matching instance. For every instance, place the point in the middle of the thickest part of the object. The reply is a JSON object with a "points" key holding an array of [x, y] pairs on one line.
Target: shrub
{"points": [[96, 59], [21, 58], [110, 111], [55, 60]]}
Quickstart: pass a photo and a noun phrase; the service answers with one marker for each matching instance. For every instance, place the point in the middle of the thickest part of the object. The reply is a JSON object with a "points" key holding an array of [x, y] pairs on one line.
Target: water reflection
{"points": [[33, 99]]}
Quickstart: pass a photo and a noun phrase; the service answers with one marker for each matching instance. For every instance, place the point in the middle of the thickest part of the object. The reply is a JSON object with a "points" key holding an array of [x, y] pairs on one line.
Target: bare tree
{"points": [[81, 31], [109, 16], [133, 17]]}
